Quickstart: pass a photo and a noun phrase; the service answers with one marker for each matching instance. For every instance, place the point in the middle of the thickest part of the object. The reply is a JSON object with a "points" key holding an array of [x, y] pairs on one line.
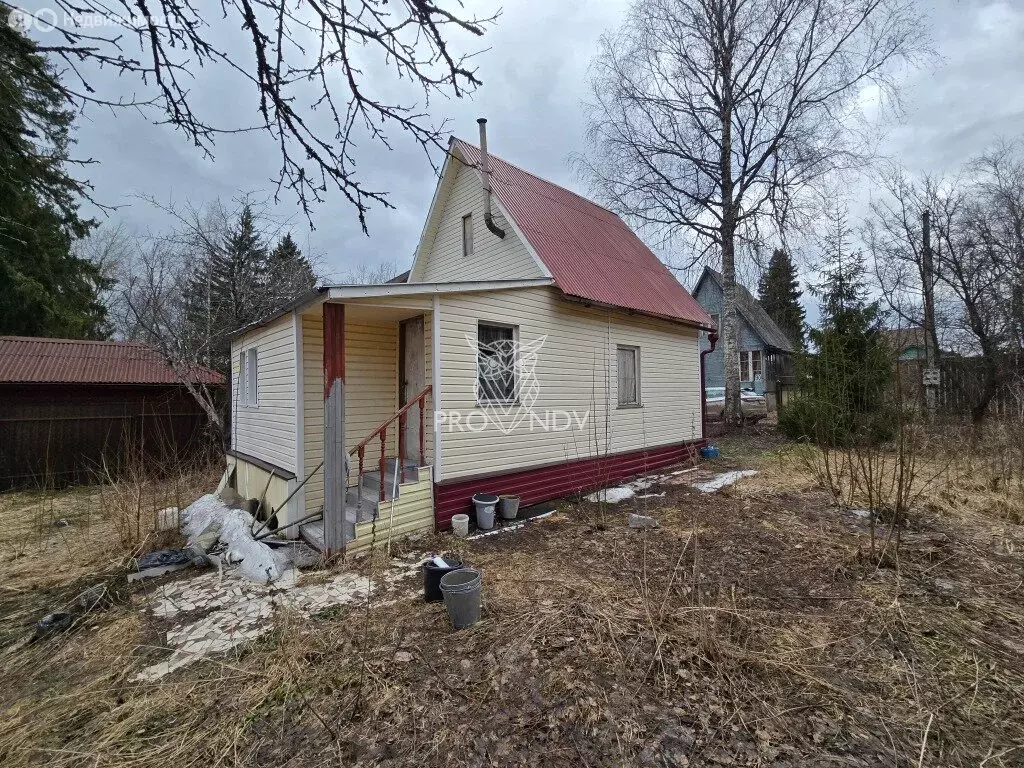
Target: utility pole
{"points": [[932, 373]]}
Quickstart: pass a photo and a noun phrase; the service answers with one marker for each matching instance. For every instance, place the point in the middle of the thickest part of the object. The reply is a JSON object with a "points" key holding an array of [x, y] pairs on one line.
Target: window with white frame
{"points": [[467, 235], [249, 385], [750, 365], [496, 363], [628, 367]]}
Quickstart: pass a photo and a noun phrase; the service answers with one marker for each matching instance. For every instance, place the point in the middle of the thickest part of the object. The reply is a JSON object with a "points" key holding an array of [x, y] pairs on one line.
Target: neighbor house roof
{"points": [[751, 311], [589, 251], [25, 359], [902, 339]]}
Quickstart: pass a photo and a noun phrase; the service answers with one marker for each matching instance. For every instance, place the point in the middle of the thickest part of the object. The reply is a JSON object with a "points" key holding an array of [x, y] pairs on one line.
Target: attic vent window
{"points": [[467, 235]]}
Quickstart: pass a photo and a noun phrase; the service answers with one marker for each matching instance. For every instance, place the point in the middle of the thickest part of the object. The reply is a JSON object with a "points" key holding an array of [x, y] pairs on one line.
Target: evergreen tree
{"points": [[227, 291], [779, 294], [45, 290], [291, 274], [844, 385]]}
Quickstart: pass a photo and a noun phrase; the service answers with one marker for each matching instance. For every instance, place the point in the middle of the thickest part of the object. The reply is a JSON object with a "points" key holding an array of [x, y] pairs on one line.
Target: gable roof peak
{"points": [[751, 311], [590, 252]]}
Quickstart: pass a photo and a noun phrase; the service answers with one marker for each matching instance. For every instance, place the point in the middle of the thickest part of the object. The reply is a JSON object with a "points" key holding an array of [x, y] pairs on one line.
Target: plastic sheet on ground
{"points": [[255, 560]]}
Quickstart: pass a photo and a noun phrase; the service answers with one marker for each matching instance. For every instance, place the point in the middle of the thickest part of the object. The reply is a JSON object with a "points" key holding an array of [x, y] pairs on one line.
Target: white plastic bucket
{"points": [[460, 524]]}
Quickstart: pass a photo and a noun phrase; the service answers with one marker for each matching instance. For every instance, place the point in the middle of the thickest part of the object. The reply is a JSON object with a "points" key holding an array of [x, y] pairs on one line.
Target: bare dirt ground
{"points": [[750, 628]]}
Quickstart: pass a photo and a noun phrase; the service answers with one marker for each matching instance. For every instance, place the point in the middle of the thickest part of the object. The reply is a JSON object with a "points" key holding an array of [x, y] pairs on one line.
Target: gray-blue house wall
{"points": [[710, 297]]}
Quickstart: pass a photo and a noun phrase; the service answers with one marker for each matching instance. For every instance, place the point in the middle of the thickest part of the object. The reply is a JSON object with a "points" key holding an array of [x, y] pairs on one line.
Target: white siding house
{"points": [[594, 341]]}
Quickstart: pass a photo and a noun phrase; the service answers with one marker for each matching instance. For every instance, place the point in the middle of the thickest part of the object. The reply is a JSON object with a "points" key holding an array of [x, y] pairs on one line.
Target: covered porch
{"points": [[367, 442]]}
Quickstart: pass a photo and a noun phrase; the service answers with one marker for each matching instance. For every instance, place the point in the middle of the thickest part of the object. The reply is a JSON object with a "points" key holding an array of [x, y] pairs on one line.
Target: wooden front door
{"points": [[412, 380]]}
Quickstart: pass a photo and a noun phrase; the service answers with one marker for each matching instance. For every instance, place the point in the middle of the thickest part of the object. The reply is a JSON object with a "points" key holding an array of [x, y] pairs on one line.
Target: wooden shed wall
{"points": [[60, 434]]}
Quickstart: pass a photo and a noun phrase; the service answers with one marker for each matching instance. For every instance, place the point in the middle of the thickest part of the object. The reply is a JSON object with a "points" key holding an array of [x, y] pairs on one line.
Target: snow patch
{"points": [[718, 482]]}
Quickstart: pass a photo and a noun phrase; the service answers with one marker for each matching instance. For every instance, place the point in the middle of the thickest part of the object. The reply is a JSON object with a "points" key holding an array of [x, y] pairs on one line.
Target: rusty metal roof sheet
{"points": [[25, 359], [590, 252]]}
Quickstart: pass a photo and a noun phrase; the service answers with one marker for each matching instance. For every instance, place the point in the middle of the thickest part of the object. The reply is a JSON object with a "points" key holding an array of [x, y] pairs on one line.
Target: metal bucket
{"points": [[461, 590], [509, 506]]}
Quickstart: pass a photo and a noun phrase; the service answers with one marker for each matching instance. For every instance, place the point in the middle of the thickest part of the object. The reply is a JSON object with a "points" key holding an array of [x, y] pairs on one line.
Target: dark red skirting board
{"points": [[539, 484]]}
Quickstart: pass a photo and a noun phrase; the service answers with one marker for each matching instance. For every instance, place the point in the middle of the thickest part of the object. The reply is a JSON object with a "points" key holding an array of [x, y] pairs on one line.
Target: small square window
{"points": [[628, 367], [496, 363], [467, 235]]}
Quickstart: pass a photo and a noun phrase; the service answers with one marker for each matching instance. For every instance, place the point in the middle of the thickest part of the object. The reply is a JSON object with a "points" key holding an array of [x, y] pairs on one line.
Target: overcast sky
{"points": [[534, 75]]}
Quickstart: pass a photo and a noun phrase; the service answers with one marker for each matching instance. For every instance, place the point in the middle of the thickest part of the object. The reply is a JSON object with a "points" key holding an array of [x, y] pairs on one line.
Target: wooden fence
{"points": [[57, 435], [961, 386]]}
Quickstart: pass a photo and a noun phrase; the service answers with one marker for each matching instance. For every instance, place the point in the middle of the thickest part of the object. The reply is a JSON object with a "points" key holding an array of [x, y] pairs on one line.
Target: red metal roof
{"points": [[590, 251], [25, 359]]}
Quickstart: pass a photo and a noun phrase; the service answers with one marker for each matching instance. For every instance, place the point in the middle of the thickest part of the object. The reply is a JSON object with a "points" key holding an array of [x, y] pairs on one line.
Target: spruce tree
{"points": [[227, 290], [45, 290], [290, 273], [844, 385], [779, 294]]}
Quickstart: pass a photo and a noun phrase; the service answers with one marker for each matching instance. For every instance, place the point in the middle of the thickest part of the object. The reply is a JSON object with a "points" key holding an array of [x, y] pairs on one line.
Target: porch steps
{"points": [[356, 512]]}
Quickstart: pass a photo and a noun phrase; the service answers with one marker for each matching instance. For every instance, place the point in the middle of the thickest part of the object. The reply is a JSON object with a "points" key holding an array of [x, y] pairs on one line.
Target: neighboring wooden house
{"points": [[537, 349], [67, 406], [765, 352]]}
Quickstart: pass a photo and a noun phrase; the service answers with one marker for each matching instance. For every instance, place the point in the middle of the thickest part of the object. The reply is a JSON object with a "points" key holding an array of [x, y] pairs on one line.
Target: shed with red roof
{"points": [[69, 405]]}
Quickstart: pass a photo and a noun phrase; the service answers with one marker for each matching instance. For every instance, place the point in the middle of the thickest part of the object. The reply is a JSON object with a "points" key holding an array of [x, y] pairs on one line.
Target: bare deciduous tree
{"points": [[308, 65], [978, 245], [714, 120]]}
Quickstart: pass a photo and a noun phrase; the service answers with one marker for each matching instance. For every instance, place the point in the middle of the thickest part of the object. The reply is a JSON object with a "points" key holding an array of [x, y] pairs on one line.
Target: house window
{"points": [[628, 366], [467, 235], [496, 363], [750, 365], [247, 366]]}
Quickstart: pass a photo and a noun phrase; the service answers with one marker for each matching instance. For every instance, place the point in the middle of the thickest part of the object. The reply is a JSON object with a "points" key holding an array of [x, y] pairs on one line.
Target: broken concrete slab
{"points": [[642, 521]]}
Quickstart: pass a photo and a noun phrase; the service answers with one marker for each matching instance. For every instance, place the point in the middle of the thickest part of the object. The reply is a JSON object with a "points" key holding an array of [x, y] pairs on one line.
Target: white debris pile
{"points": [[255, 560], [236, 612], [718, 482]]}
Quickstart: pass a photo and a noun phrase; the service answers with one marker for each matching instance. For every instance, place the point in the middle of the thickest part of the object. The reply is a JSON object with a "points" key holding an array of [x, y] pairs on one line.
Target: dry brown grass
{"points": [[748, 630]]}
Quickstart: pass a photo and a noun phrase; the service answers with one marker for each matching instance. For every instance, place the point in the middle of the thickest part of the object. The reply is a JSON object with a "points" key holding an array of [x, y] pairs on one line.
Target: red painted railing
{"points": [[401, 416]]}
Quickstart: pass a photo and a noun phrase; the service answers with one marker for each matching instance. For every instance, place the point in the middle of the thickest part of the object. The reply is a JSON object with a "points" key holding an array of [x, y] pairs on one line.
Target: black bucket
{"points": [[432, 575]]}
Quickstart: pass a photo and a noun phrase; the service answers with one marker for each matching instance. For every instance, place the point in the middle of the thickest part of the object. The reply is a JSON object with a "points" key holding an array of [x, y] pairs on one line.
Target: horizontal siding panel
{"points": [[493, 258], [539, 484], [267, 432], [575, 371]]}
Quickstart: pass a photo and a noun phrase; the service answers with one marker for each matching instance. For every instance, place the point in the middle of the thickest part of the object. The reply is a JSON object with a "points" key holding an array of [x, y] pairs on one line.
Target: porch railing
{"points": [[401, 416]]}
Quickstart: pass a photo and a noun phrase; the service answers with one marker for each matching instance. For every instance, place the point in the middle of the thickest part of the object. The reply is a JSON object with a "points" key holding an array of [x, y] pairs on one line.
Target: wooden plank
{"points": [[334, 430]]}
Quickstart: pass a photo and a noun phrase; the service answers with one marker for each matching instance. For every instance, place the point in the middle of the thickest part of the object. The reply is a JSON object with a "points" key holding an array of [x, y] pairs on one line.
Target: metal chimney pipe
{"points": [[485, 172]]}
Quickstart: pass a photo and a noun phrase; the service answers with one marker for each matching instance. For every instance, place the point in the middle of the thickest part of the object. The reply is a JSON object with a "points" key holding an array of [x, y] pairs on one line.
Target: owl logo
{"points": [[506, 386], [19, 20]]}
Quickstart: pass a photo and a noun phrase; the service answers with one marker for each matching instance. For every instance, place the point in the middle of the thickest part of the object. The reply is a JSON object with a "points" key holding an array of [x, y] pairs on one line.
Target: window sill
{"points": [[628, 406], [482, 403]]}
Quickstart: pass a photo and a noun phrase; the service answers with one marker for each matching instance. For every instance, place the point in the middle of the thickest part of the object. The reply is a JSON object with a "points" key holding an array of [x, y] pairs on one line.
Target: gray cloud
{"points": [[534, 74]]}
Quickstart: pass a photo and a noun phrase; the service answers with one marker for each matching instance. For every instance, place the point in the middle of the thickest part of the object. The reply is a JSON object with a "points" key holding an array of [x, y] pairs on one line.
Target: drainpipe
{"points": [[485, 172], [713, 338]]}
